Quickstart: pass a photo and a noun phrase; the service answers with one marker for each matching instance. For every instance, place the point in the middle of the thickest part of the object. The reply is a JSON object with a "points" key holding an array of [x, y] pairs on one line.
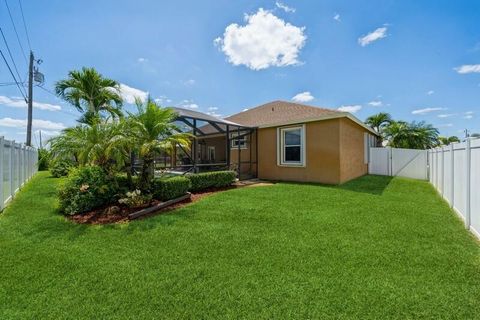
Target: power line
{"points": [[10, 53], [16, 33], [24, 24], [53, 94], [13, 76], [6, 84]]}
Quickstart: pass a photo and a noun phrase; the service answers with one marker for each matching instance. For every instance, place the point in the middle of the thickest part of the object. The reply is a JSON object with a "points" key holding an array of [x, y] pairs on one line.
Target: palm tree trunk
{"points": [[147, 173]]}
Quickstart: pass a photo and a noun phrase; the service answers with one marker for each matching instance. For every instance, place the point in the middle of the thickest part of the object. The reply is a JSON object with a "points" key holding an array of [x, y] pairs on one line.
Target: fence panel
{"points": [[455, 172], [379, 161], [408, 163], [475, 186], [18, 164]]}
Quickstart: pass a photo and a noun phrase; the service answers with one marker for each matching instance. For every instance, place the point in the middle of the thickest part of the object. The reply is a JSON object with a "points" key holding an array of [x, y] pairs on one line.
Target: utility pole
{"points": [[40, 134], [30, 100]]}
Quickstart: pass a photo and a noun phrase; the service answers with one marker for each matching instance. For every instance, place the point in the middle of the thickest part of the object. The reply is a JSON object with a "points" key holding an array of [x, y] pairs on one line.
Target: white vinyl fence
{"points": [[455, 173], [18, 163], [408, 163]]}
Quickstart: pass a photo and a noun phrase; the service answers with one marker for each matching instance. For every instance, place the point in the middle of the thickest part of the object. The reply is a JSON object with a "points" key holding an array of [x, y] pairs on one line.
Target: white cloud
{"points": [[129, 94], [375, 103], [17, 102], [246, 109], [445, 125], [188, 104], [189, 82], [351, 108], [284, 7], [212, 109], [142, 60], [468, 68], [427, 110], [264, 41], [36, 123], [303, 97], [430, 92], [446, 115], [373, 36], [468, 115], [336, 17], [214, 114]]}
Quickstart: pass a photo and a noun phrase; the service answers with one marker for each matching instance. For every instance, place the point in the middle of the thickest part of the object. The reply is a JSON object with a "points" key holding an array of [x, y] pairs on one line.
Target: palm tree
{"points": [[445, 141], [94, 144], [152, 130], [379, 121], [396, 133], [415, 135], [91, 93], [422, 135]]}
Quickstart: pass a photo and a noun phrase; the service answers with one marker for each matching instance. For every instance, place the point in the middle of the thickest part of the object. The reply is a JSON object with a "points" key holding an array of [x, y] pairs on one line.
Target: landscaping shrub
{"points": [[170, 188], [124, 185], [217, 179], [61, 168], [43, 159], [135, 199], [86, 188]]}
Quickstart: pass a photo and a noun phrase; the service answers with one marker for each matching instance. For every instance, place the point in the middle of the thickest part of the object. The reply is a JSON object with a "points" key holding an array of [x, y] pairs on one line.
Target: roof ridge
{"points": [[281, 101]]}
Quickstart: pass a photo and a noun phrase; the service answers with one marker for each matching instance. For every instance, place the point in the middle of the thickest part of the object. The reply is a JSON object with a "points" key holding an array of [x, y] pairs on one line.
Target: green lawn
{"points": [[373, 248]]}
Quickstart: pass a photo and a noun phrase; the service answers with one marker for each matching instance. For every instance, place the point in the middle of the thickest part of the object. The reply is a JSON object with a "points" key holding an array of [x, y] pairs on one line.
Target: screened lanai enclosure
{"points": [[216, 144]]}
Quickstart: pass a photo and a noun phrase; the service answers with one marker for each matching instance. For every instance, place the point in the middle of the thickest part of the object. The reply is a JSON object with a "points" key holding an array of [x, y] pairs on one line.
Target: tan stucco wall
{"points": [[322, 154], [352, 150], [218, 143], [334, 153]]}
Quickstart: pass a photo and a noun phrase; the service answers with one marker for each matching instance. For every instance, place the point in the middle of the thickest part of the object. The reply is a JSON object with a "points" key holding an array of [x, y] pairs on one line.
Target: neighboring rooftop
{"points": [[280, 112]]}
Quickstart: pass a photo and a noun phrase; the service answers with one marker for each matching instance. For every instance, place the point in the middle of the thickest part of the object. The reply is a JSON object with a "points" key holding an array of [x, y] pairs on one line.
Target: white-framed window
{"points": [[234, 141], [291, 146], [211, 153]]}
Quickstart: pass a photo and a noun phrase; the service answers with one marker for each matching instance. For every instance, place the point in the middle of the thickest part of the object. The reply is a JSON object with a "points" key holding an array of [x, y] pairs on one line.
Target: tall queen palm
{"points": [[91, 93], [379, 122]]}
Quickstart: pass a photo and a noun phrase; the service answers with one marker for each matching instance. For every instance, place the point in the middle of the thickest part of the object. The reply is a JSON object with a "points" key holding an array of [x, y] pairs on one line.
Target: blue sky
{"points": [[418, 60]]}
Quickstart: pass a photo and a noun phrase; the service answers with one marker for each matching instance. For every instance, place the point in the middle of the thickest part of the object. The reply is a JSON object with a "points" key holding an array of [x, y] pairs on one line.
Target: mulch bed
{"points": [[102, 216]]}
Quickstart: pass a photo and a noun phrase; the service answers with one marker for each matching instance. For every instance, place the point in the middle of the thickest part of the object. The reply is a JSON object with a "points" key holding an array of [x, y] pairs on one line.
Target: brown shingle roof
{"points": [[279, 112]]}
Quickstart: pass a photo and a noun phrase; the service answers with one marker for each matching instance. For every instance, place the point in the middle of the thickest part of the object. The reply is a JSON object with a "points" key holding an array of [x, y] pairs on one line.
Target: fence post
{"points": [[12, 168], [443, 172], [390, 161], [452, 174], [468, 190], [438, 167], [2, 157]]}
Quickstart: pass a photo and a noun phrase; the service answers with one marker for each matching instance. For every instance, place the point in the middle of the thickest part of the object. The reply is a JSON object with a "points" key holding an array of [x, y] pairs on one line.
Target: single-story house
{"points": [[279, 141]]}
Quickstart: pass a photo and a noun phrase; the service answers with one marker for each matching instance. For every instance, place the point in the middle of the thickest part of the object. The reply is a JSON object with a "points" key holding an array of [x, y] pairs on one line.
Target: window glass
{"points": [[292, 137], [292, 154]]}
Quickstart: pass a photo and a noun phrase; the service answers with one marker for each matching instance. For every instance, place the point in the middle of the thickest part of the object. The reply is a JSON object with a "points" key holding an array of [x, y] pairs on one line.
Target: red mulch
{"points": [[100, 216]]}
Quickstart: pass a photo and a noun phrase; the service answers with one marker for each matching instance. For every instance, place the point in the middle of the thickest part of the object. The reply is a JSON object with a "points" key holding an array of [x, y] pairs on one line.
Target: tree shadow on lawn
{"points": [[371, 184]]}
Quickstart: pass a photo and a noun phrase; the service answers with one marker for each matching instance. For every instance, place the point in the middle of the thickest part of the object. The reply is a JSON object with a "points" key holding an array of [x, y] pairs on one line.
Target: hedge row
{"points": [[170, 188], [216, 179], [88, 188]]}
